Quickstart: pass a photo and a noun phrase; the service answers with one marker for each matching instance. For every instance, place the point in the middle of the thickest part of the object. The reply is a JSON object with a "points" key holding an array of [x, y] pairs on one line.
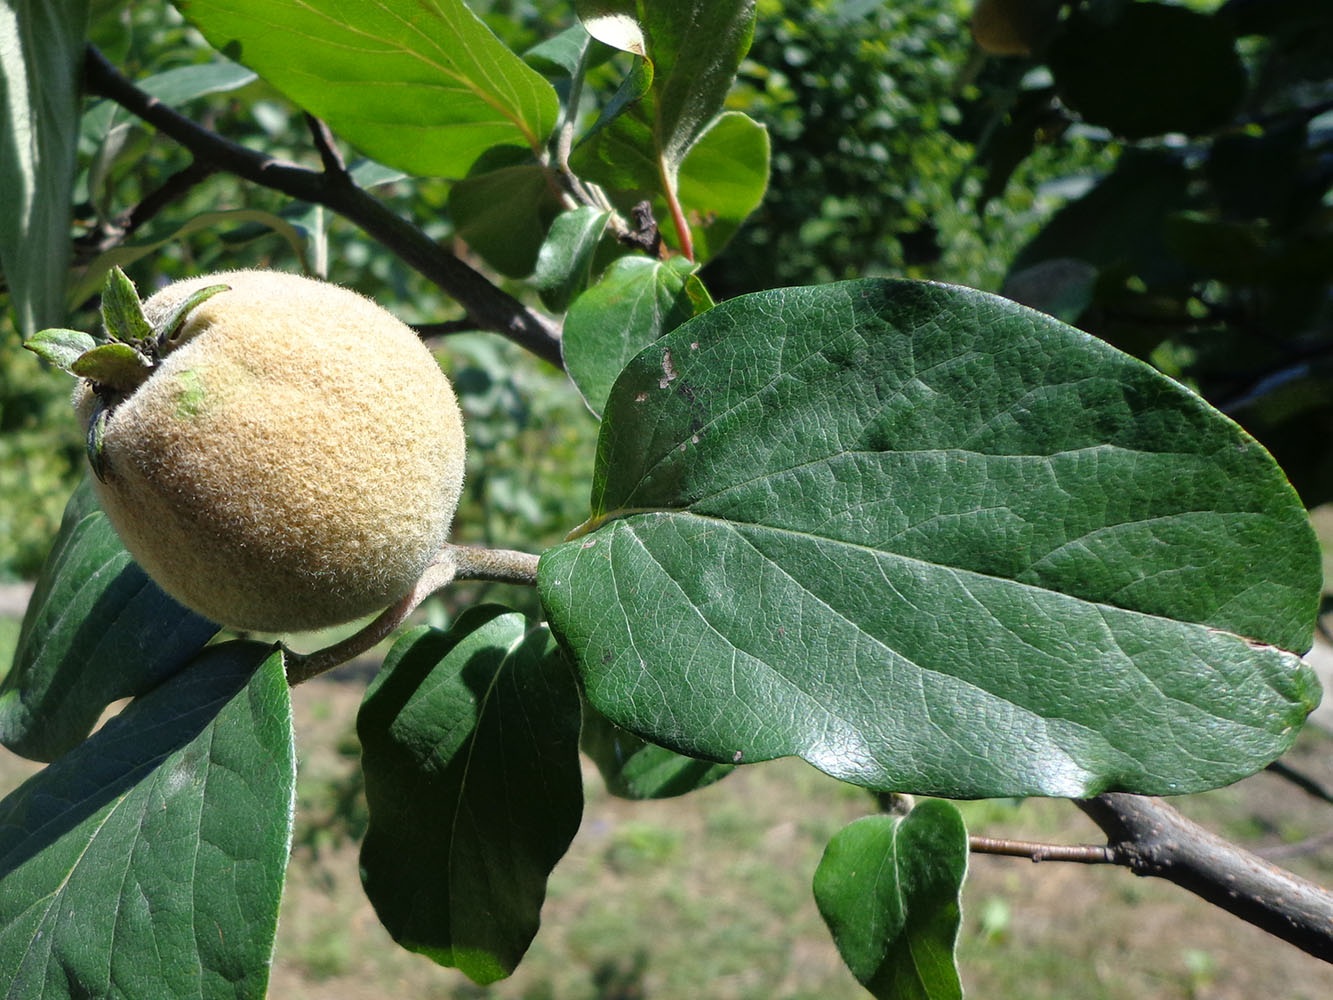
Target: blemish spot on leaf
{"points": [[668, 370]]}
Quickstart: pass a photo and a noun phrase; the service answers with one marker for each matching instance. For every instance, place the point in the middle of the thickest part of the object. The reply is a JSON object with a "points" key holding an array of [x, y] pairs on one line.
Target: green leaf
{"points": [[564, 262], [888, 888], [60, 347], [723, 180], [636, 301], [117, 365], [694, 49], [97, 630], [1154, 68], [934, 542], [470, 752], [41, 54], [425, 88], [122, 311], [149, 862], [633, 769], [503, 214]]}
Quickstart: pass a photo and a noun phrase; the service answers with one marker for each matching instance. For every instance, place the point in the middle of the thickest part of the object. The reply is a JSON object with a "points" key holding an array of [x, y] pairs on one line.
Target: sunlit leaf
{"points": [[932, 541], [149, 861], [425, 88]]}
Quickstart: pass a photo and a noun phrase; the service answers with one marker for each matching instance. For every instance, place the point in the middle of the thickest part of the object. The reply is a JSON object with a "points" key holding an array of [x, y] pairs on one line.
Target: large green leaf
{"points": [[470, 752], [888, 888], [636, 301], [149, 862], [426, 88], [693, 49], [41, 51], [97, 630], [932, 541]]}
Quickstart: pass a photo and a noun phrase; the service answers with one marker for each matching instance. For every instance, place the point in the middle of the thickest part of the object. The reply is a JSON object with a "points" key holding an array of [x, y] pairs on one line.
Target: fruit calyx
{"points": [[118, 358]]}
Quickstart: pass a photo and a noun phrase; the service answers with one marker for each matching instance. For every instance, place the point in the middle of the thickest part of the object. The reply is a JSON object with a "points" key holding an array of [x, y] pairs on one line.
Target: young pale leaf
{"points": [[932, 541], [41, 53], [633, 769], [470, 752], [149, 862], [96, 630], [565, 260], [636, 301], [888, 888], [425, 88], [60, 347]]}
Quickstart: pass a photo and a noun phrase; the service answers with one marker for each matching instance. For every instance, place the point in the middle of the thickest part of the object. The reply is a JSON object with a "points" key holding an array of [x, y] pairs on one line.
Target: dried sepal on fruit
{"points": [[279, 453]]}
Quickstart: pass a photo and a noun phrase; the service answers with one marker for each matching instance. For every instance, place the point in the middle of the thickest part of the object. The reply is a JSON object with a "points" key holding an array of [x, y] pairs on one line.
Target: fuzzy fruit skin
{"points": [[295, 463]]}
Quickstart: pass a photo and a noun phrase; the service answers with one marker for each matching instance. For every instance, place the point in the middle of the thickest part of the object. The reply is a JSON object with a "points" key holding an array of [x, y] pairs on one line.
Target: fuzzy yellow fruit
{"points": [[293, 461]]}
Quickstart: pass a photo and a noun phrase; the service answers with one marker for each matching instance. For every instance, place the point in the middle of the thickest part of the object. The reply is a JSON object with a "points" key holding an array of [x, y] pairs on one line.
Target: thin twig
{"points": [[489, 307], [1087, 854], [328, 149], [1302, 781]]}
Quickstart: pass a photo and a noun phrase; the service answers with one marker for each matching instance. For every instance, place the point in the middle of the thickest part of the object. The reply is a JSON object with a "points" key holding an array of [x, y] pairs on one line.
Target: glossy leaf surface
{"points": [[470, 752], [97, 629], [425, 88], [888, 888], [149, 861], [932, 541]]}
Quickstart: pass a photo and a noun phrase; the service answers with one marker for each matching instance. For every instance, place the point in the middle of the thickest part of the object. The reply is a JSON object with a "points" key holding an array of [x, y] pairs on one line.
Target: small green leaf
{"points": [[888, 888], [425, 88], [723, 179], [636, 301], [149, 862], [633, 769], [60, 347], [94, 442], [122, 311], [41, 57], [118, 365], [169, 328], [470, 752], [894, 528], [97, 629], [564, 262]]}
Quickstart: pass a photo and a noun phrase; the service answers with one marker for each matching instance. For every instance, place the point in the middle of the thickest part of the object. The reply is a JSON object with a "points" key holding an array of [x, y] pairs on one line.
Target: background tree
{"points": [[885, 526]]}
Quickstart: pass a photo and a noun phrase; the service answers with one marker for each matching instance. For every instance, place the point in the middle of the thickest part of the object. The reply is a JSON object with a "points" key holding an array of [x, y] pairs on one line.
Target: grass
{"points": [[709, 895]]}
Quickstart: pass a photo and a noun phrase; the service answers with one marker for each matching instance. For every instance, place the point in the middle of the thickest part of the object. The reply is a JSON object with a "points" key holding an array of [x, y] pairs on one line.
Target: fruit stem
{"points": [[454, 562]]}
